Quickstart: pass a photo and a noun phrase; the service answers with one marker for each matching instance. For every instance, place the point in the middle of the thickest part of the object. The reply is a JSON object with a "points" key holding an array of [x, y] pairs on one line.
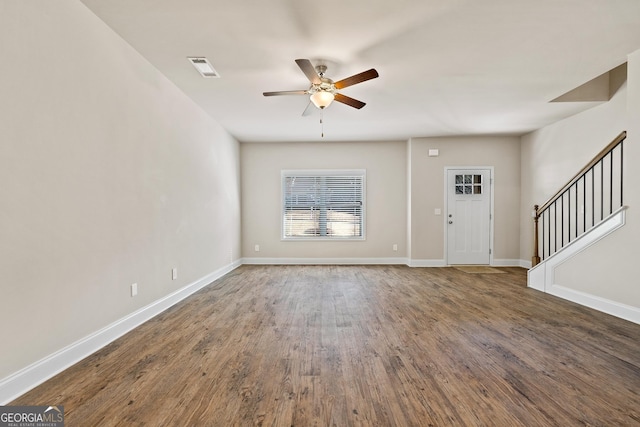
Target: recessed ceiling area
{"points": [[599, 89], [459, 67]]}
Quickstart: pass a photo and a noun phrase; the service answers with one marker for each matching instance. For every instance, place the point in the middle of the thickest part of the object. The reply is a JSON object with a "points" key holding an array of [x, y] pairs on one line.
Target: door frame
{"points": [[446, 207]]}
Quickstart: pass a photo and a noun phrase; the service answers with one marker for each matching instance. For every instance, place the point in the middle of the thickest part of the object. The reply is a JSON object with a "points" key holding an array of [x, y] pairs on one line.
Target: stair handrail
{"points": [[538, 209]]}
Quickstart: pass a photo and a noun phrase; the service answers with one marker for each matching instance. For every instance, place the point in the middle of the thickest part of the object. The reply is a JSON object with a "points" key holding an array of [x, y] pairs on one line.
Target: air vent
{"points": [[204, 67]]}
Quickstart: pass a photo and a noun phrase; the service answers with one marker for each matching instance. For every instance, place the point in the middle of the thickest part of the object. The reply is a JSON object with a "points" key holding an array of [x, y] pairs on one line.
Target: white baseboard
{"points": [[373, 261], [535, 277], [427, 263], [542, 277], [613, 308], [31, 376], [368, 261], [324, 261]]}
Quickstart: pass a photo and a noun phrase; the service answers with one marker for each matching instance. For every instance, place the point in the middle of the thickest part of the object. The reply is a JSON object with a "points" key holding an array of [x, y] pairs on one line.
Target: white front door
{"points": [[468, 216]]}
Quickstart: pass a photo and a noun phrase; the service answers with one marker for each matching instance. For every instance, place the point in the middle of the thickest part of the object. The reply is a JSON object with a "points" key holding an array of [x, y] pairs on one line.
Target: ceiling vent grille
{"points": [[204, 67]]}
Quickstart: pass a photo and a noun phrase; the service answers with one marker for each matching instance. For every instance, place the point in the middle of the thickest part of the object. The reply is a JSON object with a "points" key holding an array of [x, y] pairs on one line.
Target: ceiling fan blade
{"points": [[349, 101], [356, 78], [307, 111], [285, 92], [309, 70]]}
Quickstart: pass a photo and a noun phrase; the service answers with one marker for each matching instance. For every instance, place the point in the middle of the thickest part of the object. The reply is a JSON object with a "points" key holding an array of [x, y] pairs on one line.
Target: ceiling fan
{"points": [[324, 90]]}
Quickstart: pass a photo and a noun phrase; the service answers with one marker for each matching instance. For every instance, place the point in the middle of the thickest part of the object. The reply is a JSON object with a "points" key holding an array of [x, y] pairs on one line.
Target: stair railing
{"points": [[587, 199]]}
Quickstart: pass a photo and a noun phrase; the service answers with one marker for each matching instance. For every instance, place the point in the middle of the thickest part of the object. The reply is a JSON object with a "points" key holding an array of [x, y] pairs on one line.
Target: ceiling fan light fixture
{"points": [[322, 99], [323, 91]]}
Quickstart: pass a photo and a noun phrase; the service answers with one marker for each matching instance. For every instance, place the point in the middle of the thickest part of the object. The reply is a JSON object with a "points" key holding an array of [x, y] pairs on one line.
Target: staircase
{"points": [[585, 210]]}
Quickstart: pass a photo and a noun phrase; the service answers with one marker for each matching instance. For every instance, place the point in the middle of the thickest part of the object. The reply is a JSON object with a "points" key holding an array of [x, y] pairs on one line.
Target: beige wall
{"points": [[608, 269], [552, 155], [402, 183], [109, 176], [427, 192], [386, 208]]}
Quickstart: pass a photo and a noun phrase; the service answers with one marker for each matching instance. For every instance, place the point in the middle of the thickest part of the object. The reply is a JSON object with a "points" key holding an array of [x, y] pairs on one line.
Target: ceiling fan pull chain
{"points": [[321, 124]]}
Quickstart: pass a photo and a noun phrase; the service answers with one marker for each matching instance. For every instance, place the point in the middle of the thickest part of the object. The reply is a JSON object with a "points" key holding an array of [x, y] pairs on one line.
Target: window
{"points": [[468, 184], [323, 204]]}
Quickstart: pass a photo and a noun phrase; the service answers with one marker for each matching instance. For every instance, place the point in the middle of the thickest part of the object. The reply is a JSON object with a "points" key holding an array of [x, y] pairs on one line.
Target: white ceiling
{"points": [[447, 67]]}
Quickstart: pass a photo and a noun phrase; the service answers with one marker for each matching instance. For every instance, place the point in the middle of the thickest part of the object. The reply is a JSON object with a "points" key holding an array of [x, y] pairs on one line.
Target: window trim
{"points": [[319, 173]]}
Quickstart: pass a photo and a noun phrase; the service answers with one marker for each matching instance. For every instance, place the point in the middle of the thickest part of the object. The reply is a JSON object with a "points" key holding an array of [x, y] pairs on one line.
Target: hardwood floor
{"points": [[361, 346]]}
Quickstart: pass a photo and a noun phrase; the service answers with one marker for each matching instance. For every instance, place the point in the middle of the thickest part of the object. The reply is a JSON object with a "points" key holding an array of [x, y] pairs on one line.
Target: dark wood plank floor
{"points": [[361, 346]]}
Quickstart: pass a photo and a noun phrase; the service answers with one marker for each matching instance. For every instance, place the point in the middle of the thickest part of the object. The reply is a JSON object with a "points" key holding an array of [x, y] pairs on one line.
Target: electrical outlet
{"points": [[134, 289], [256, 248], [395, 247], [174, 273]]}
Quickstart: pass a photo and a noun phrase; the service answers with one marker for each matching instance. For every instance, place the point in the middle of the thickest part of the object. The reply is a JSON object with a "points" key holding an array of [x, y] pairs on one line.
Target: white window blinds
{"points": [[323, 204]]}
